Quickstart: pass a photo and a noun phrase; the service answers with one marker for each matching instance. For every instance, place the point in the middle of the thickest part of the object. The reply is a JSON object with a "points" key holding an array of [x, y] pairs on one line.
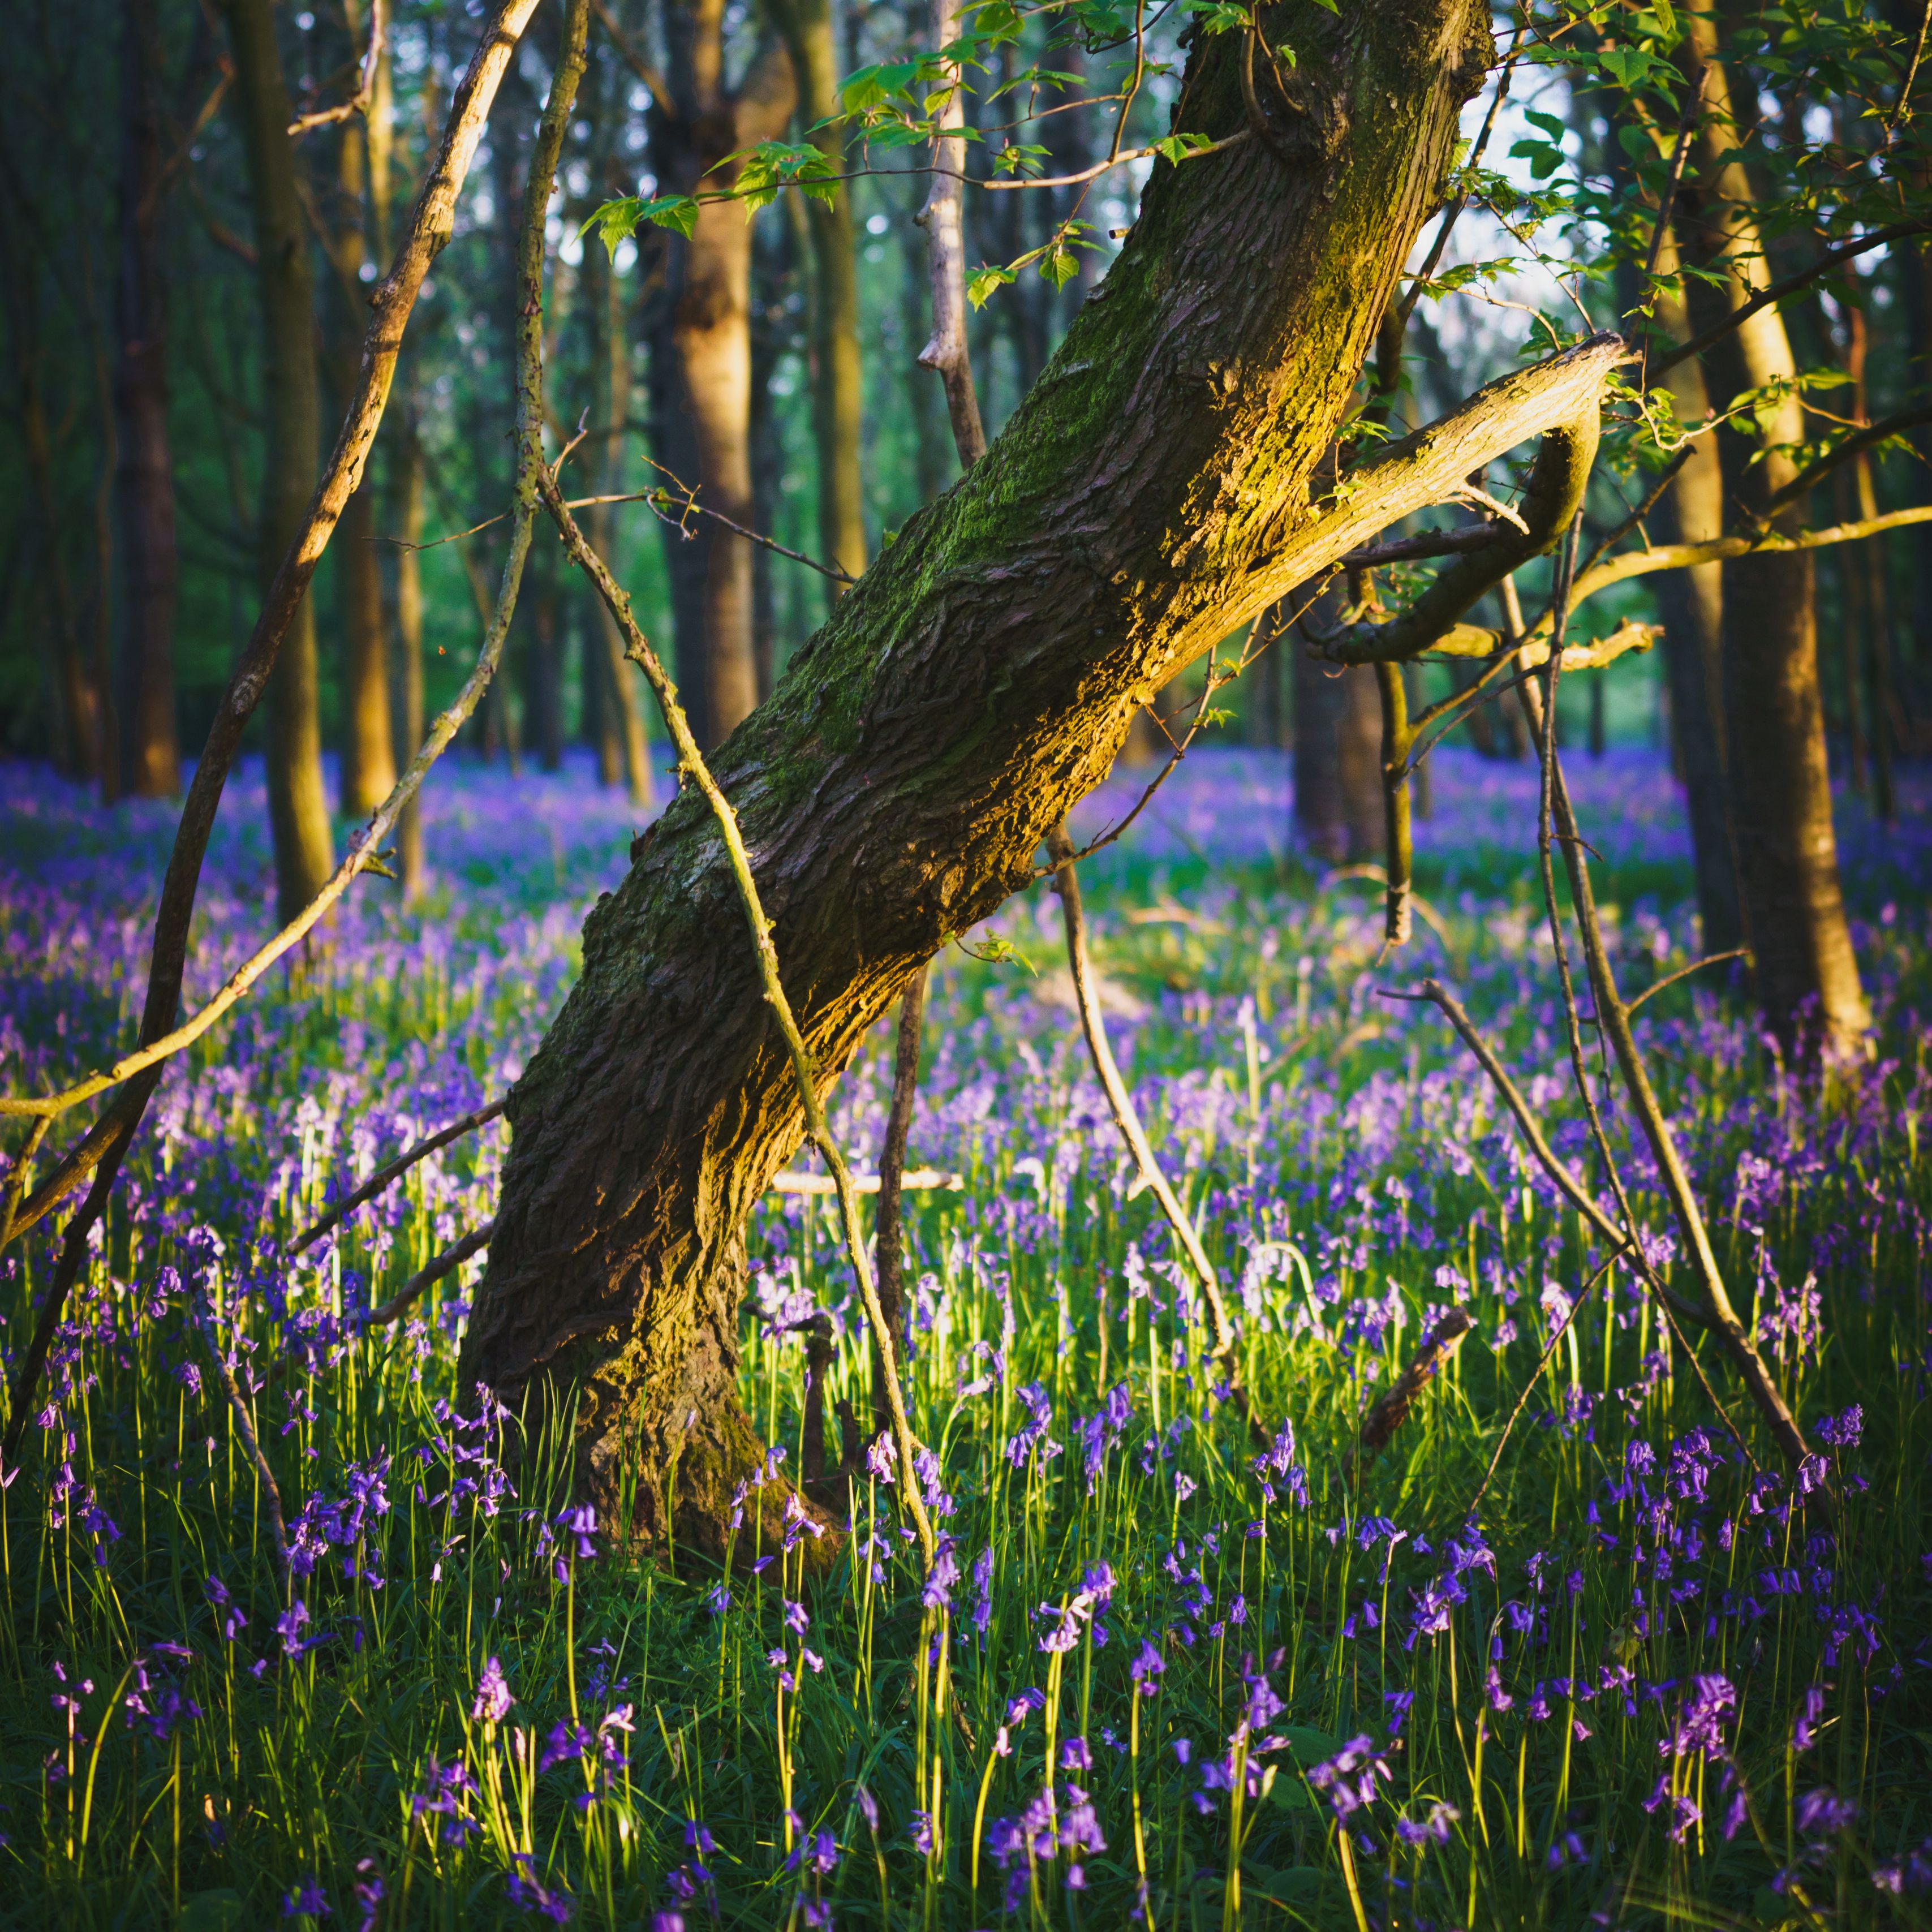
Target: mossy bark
{"points": [[1151, 494]]}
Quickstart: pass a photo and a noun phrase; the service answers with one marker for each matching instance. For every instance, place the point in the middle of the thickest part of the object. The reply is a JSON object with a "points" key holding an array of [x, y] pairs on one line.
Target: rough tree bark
{"points": [[297, 807], [701, 363], [1150, 496], [144, 488], [1806, 974]]}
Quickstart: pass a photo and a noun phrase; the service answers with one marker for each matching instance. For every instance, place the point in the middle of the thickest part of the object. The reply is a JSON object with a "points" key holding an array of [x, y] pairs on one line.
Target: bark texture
{"points": [[1150, 496], [702, 362], [297, 807], [144, 487]]}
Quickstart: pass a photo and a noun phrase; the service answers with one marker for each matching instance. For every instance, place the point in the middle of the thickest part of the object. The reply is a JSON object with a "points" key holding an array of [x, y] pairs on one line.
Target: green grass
{"points": [[1352, 1152]]}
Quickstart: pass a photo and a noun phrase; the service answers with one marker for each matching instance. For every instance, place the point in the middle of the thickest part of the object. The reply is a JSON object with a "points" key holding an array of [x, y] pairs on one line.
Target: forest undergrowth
{"points": [[1164, 1671]]}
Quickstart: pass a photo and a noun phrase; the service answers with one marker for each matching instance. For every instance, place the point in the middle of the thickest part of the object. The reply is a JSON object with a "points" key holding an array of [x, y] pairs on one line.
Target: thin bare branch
{"points": [[1778, 291], [245, 1425], [691, 761], [383, 1177], [365, 80], [426, 1277], [1684, 972]]}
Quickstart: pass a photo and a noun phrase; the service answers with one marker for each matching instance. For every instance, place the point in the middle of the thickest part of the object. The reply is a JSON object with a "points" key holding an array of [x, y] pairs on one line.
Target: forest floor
{"points": [[1651, 1678]]}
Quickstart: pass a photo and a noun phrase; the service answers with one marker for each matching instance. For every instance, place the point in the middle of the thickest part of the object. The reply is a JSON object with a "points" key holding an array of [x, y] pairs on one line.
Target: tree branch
{"points": [[691, 761], [396, 1169], [1769, 298]]}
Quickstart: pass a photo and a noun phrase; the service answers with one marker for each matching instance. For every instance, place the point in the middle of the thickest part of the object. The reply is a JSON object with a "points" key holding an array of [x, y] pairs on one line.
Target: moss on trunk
{"points": [[1152, 492]]}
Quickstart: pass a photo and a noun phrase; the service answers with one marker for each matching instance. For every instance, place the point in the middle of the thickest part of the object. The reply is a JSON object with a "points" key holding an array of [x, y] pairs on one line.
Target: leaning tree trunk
{"points": [[1806, 973], [297, 807], [144, 487], [1149, 497]]}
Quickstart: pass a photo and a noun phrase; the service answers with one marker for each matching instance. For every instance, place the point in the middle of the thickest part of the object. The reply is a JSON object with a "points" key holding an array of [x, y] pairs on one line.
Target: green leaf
{"points": [[983, 281], [772, 165], [1549, 123], [1543, 159], [867, 87], [1059, 264], [997, 951], [1177, 148], [220, 1911], [1628, 66], [1018, 158], [617, 221], [1307, 1745], [1218, 16]]}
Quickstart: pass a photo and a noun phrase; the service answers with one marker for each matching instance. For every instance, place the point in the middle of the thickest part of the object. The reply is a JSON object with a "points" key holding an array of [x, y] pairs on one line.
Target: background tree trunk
{"points": [[701, 360], [368, 773], [298, 807], [1806, 973], [623, 750], [1321, 707], [1150, 496], [1691, 605], [144, 478], [837, 402], [405, 482]]}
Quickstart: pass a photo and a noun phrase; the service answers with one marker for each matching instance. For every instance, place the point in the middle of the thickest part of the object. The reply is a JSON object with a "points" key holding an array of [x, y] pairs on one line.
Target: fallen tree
{"points": [[1157, 489]]}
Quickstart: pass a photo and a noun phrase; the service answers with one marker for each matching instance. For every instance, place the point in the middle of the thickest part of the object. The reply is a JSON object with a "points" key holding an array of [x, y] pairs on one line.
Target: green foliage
{"points": [[764, 170], [616, 221]]}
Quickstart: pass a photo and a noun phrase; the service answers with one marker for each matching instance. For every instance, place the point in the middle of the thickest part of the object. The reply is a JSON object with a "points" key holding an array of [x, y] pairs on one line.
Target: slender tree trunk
{"points": [[368, 773], [1338, 748], [1806, 973], [405, 481], [1691, 604], [77, 710], [368, 735], [837, 391], [899, 783], [544, 669], [702, 363], [297, 805], [621, 721], [144, 482], [1321, 709], [933, 466], [1358, 764], [1862, 566]]}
